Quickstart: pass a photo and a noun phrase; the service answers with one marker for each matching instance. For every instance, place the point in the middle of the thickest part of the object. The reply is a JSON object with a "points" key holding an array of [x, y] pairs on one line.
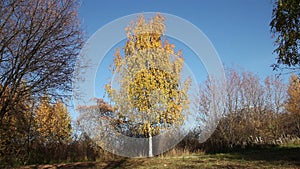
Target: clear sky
{"points": [[238, 29]]}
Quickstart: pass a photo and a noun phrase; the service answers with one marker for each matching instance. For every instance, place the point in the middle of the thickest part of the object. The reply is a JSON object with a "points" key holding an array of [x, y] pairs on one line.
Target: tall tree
{"points": [[16, 132], [53, 122], [39, 42], [148, 92], [53, 126], [293, 106], [285, 26]]}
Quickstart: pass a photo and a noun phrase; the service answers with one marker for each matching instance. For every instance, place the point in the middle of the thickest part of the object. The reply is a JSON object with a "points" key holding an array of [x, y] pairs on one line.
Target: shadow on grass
{"points": [[120, 163], [77, 165], [116, 164], [255, 157], [272, 154]]}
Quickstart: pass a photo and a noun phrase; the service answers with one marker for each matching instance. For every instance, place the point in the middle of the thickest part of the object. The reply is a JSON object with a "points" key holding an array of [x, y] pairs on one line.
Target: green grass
{"points": [[270, 157]]}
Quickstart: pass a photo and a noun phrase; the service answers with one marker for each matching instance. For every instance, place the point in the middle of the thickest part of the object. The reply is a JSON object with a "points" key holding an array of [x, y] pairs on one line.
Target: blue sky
{"points": [[238, 29]]}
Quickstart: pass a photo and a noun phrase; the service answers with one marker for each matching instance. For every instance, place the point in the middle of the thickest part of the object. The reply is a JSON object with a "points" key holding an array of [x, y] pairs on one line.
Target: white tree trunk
{"points": [[150, 146]]}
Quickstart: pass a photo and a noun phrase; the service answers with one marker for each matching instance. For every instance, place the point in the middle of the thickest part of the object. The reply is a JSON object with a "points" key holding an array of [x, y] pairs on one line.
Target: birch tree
{"points": [[147, 92]]}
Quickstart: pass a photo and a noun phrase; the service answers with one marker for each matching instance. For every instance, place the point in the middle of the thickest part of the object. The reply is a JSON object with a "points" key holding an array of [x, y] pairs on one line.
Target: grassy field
{"points": [[272, 157]]}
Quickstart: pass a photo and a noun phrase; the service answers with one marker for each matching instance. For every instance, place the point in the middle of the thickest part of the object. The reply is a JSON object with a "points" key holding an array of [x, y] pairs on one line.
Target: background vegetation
{"points": [[37, 57]]}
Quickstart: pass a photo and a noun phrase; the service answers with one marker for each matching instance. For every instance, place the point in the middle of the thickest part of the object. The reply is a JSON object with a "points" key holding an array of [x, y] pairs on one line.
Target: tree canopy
{"points": [[285, 26], [39, 43], [148, 91]]}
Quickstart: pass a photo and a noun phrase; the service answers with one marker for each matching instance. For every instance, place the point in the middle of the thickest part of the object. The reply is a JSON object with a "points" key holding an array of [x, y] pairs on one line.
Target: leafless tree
{"points": [[251, 111], [39, 42]]}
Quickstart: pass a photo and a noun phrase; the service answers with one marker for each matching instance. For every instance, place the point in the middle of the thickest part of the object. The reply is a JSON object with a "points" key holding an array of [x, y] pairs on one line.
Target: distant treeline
{"points": [[257, 113]]}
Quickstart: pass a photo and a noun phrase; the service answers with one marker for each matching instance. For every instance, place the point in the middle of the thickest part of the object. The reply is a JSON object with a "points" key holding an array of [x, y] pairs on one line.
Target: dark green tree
{"points": [[286, 31]]}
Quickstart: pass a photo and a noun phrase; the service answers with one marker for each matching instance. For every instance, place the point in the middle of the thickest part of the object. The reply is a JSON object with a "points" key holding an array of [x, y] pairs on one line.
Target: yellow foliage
{"points": [[293, 104], [151, 91], [53, 122]]}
